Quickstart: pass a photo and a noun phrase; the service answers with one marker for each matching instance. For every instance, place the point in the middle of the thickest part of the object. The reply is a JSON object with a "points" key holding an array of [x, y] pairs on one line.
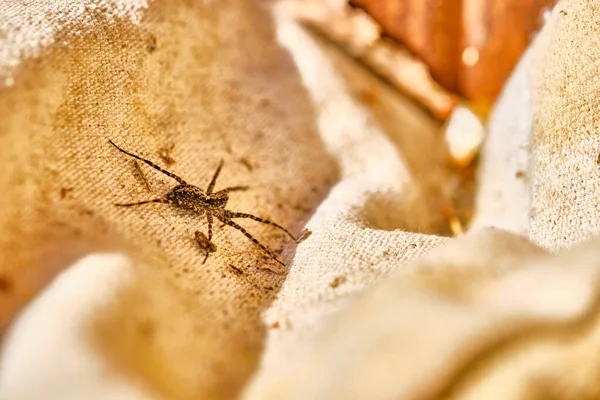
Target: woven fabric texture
{"points": [[185, 84]]}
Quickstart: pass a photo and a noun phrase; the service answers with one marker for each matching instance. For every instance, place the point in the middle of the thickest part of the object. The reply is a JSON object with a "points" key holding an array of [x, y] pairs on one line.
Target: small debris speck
{"points": [[304, 235], [337, 281], [205, 245], [283, 324], [271, 267], [151, 44], [236, 269], [64, 192], [247, 164], [166, 154]]}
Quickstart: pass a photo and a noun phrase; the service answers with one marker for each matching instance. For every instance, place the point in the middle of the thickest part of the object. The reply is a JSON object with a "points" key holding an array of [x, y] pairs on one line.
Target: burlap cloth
{"points": [[375, 304]]}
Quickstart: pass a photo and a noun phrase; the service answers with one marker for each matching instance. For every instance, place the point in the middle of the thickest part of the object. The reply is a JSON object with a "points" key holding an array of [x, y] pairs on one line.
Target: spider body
{"points": [[192, 198]]}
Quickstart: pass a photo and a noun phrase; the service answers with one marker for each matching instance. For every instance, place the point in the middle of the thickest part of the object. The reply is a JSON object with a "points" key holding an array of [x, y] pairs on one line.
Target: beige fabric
{"points": [[487, 316], [566, 187], [60, 363], [376, 304], [454, 330], [184, 74], [503, 191]]}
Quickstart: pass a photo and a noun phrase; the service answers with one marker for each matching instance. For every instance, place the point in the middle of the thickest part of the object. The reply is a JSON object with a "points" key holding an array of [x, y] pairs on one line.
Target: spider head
{"points": [[218, 200]]}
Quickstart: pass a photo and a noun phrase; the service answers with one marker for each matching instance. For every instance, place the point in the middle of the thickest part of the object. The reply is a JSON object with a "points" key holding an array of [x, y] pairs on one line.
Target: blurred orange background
{"points": [[469, 46]]}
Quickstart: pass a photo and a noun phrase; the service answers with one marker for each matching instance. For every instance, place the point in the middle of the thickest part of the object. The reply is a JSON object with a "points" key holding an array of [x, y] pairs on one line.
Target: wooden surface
{"points": [[470, 46]]}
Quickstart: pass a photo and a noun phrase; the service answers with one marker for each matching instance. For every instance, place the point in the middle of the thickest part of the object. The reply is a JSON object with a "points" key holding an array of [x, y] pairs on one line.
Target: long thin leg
{"points": [[211, 185], [142, 202], [264, 221], [249, 236], [139, 170], [150, 163], [209, 218], [234, 189]]}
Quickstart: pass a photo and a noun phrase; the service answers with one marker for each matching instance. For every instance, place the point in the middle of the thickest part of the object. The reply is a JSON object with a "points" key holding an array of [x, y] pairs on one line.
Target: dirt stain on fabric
{"points": [[337, 281]]}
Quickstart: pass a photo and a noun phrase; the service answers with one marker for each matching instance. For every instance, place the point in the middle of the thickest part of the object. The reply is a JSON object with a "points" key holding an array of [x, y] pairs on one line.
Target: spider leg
{"points": [[211, 185], [264, 221], [209, 218], [234, 189], [249, 236], [150, 163], [142, 202]]}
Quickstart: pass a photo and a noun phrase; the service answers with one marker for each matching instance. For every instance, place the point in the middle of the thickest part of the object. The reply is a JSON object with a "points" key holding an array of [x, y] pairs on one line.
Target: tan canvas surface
{"points": [[565, 209], [180, 73], [377, 303]]}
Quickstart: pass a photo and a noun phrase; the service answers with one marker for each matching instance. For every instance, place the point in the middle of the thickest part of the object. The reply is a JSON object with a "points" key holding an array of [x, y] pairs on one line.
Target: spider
{"points": [[192, 198]]}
